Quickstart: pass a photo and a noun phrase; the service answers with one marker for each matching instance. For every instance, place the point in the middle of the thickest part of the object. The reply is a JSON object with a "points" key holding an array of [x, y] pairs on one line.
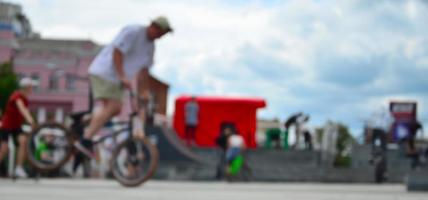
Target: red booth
{"points": [[215, 110]]}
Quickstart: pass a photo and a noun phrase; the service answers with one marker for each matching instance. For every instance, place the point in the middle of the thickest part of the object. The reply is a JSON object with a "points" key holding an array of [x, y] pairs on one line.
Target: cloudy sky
{"points": [[336, 60]]}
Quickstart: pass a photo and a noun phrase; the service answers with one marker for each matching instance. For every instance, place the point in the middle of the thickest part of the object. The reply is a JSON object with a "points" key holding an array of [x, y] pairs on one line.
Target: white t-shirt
{"points": [[381, 119], [137, 52], [236, 141]]}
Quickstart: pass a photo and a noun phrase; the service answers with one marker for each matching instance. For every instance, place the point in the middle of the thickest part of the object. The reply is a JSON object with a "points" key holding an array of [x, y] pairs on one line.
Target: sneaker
{"points": [[20, 172], [85, 147]]}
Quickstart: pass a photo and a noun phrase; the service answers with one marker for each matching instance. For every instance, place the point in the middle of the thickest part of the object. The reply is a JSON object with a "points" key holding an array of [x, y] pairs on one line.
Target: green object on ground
{"points": [[41, 148], [236, 165]]}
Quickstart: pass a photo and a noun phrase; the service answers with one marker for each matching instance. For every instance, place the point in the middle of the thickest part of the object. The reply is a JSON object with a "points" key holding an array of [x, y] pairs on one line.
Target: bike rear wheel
{"points": [[49, 147], [134, 162]]}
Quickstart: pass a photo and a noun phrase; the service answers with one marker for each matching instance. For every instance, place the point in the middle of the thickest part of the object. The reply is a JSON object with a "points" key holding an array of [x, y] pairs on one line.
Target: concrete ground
{"points": [[79, 189]]}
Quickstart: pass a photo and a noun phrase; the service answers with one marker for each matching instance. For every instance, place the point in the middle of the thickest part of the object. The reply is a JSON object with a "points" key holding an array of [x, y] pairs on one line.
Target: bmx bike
{"points": [[133, 160]]}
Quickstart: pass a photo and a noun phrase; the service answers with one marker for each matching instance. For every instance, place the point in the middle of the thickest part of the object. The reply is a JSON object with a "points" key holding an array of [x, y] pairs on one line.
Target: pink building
{"points": [[57, 65], [8, 43]]}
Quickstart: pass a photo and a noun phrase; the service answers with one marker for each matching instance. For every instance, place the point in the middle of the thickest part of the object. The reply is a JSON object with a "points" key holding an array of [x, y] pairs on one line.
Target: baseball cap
{"points": [[26, 81], [163, 23]]}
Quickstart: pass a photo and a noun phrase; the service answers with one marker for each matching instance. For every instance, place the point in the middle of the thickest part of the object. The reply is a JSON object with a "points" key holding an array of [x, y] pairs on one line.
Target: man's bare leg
{"points": [[22, 156], [3, 150], [109, 109]]}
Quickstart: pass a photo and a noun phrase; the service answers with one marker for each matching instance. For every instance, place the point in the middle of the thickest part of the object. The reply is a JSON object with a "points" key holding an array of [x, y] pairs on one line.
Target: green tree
{"points": [[344, 142], [8, 83]]}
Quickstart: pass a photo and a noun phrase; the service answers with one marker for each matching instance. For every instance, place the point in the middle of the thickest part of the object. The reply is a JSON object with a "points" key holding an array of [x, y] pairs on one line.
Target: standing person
{"points": [[413, 127], [192, 110], [292, 120], [308, 140], [301, 123], [113, 69], [379, 126], [226, 130], [298, 120], [14, 116], [235, 146]]}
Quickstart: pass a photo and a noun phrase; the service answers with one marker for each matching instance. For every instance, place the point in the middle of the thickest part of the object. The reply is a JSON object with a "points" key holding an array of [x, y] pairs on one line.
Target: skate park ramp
{"points": [[171, 148]]}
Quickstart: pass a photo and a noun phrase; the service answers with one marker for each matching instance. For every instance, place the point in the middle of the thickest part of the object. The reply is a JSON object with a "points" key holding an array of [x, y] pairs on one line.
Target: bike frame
{"points": [[130, 123]]}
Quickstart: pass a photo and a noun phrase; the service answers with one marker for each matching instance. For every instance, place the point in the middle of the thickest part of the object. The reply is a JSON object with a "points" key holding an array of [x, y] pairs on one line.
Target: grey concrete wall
{"points": [[291, 166]]}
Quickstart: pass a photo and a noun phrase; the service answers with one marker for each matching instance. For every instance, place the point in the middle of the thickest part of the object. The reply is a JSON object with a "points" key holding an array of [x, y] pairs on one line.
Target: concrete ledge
{"points": [[417, 181]]}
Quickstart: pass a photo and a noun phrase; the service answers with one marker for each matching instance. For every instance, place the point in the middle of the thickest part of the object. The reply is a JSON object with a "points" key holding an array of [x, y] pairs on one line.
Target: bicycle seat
{"points": [[77, 116]]}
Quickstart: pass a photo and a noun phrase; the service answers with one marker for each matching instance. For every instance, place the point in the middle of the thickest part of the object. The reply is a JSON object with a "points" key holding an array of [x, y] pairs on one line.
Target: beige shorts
{"points": [[105, 89]]}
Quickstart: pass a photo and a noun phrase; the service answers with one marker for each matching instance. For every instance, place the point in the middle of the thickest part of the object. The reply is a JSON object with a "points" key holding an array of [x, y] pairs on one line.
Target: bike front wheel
{"points": [[134, 161]]}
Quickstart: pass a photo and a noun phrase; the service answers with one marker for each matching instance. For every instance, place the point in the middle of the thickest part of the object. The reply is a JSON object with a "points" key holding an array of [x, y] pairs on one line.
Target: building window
{"points": [[36, 77], [70, 82], [53, 82]]}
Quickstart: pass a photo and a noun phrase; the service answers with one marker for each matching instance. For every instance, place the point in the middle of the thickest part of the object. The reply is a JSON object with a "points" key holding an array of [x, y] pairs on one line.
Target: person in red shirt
{"points": [[15, 113]]}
